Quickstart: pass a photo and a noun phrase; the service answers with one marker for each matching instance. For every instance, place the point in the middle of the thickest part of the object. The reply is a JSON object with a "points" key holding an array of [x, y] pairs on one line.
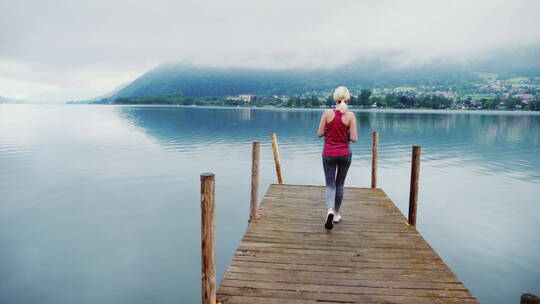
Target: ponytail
{"points": [[342, 106], [342, 94]]}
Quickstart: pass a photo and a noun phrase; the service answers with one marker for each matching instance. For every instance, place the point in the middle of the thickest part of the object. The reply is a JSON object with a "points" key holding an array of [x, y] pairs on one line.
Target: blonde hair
{"points": [[342, 95]]}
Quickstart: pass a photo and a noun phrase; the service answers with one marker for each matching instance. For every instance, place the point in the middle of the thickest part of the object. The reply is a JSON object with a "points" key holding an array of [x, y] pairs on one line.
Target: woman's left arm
{"points": [[322, 125], [354, 132]]}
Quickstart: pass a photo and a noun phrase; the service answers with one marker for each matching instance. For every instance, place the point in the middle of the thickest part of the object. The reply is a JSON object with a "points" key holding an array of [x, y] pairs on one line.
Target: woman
{"points": [[338, 126]]}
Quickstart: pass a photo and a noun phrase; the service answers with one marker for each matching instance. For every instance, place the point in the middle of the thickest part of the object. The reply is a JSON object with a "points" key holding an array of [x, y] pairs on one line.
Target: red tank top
{"points": [[336, 140]]}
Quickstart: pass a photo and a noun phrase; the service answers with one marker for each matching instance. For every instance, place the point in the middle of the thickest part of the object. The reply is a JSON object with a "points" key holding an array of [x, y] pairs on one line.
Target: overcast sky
{"points": [[62, 50]]}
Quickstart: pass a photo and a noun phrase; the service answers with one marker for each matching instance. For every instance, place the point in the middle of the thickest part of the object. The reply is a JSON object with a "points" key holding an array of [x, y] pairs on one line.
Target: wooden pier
{"points": [[375, 255], [372, 256]]}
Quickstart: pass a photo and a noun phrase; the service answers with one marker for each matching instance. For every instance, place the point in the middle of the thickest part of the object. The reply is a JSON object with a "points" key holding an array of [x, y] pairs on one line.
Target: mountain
{"points": [[191, 80], [196, 81]]}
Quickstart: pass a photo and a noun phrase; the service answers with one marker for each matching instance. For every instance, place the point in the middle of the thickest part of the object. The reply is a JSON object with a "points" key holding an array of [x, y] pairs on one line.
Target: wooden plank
{"points": [[360, 290], [346, 242], [261, 300], [359, 258], [286, 295], [329, 281], [377, 252], [409, 275], [335, 269], [403, 247], [355, 230], [336, 263], [286, 255]]}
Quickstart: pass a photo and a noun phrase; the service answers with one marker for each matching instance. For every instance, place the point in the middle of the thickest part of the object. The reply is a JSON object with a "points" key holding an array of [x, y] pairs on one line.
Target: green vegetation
{"points": [[164, 99], [363, 100], [414, 102], [535, 105], [201, 101]]}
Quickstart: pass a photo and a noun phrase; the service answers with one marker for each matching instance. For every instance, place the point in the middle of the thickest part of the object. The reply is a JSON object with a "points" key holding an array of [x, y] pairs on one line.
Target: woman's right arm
{"points": [[322, 125]]}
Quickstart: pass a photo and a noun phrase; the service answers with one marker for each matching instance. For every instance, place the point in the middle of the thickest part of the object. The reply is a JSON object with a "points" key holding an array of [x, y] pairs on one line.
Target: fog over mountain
{"points": [[52, 50], [195, 80]]}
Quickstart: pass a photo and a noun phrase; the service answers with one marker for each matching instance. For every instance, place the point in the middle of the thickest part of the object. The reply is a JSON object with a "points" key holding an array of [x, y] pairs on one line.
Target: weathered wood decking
{"points": [[287, 256]]}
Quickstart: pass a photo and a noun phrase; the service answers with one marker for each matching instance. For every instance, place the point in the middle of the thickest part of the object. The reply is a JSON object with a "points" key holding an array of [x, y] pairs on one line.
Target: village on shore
{"points": [[518, 93]]}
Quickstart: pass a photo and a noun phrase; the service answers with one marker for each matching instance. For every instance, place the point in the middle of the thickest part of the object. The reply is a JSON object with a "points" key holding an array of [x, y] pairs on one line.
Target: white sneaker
{"points": [[337, 219]]}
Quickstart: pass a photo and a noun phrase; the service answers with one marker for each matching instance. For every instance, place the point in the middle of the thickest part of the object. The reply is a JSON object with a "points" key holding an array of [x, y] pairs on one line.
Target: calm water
{"points": [[100, 204]]}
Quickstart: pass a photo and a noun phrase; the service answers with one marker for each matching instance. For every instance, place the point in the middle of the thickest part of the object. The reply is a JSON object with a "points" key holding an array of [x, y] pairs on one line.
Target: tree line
{"points": [[363, 100]]}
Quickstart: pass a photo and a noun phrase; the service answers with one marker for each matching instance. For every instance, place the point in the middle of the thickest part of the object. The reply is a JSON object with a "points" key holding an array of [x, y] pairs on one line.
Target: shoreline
{"points": [[385, 110], [356, 110]]}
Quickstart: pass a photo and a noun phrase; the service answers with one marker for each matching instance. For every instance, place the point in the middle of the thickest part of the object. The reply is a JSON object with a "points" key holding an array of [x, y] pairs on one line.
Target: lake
{"points": [[100, 204]]}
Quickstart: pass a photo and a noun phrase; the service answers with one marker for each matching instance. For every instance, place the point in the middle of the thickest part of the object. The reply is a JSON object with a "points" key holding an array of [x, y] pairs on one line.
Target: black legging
{"points": [[335, 183]]}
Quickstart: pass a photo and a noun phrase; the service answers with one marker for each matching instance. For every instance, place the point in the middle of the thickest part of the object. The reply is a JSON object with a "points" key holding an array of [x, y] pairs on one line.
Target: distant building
{"points": [[234, 98], [247, 97], [252, 98], [242, 97]]}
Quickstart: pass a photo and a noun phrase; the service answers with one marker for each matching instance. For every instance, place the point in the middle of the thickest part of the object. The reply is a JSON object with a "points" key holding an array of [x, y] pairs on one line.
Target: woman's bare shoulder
{"points": [[327, 112]]}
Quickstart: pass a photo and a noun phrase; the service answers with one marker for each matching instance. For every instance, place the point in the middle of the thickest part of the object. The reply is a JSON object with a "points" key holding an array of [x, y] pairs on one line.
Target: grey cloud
{"points": [[76, 44]]}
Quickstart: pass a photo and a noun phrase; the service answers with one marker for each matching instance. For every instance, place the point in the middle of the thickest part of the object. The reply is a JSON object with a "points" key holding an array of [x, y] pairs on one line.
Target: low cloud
{"points": [[76, 49]]}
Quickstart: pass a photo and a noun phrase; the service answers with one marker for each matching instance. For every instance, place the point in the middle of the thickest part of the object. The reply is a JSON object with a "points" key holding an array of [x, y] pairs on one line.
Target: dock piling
{"points": [[276, 158], [413, 195], [208, 240], [374, 156], [254, 180]]}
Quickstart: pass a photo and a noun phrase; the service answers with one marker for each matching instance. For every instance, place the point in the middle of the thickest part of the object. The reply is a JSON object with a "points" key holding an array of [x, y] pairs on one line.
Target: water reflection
{"points": [[499, 143]]}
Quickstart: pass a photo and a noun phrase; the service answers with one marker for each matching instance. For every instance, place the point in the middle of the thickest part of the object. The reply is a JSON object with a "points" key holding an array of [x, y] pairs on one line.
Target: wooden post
{"points": [[208, 238], [528, 298], [276, 158], [413, 196], [374, 155], [254, 180]]}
